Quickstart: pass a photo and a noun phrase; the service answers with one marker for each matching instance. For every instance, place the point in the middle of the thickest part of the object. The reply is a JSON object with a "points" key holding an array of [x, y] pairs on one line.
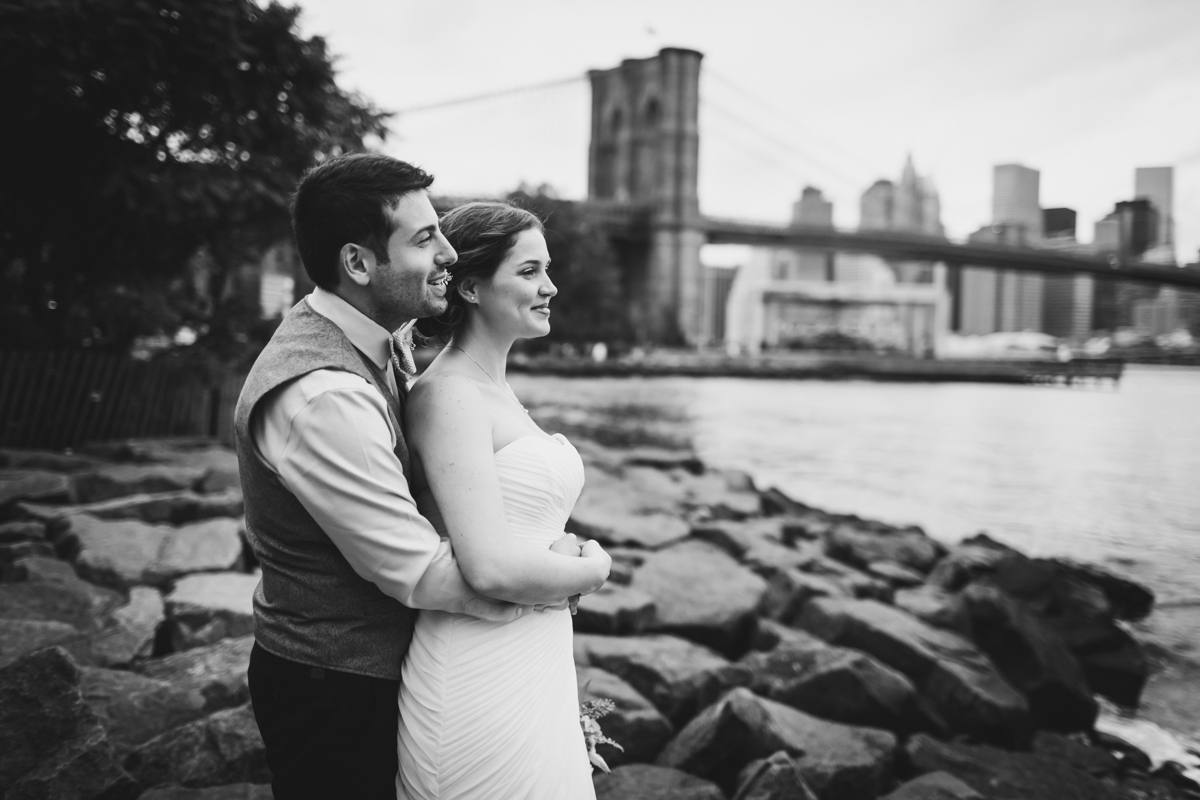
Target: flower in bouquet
{"points": [[589, 714]]}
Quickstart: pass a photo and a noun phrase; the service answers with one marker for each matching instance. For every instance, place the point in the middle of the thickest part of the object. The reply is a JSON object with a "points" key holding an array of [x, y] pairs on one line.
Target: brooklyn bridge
{"points": [[643, 166]]}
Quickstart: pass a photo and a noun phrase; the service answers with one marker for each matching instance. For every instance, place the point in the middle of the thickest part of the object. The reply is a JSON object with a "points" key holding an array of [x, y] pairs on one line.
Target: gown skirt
{"points": [[491, 711]]}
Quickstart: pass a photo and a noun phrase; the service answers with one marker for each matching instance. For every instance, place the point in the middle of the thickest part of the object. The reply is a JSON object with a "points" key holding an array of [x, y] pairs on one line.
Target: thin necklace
{"points": [[508, 392]]}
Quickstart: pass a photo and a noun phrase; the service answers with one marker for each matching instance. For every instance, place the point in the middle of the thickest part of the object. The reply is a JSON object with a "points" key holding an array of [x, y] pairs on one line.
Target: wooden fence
{"points": [[63, 399]]}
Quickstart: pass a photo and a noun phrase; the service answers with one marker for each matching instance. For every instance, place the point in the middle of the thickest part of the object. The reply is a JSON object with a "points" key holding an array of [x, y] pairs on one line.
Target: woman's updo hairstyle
{"points": [[481, 234]]}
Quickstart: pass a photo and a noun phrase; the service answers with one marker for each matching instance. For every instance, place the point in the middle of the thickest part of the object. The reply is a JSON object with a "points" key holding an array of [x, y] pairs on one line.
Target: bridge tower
{"points": [[644, 154]]}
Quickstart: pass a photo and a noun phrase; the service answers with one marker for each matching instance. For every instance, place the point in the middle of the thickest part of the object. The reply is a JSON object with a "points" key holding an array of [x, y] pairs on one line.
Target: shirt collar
{"points": [[372, 339]]}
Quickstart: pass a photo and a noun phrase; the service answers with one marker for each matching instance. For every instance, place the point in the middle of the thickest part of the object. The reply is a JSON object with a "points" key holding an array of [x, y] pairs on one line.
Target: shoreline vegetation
{"points": [[753, 646]]}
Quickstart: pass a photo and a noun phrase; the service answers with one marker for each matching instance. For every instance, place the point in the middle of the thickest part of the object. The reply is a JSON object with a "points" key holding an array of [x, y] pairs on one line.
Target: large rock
{"points": [[935, 786], [719, 494], [952, 674], [233, 791], [1129, 599], [124, 553], [789, 590], [677, 676], [702, 594], [1005, 775], [28, 530], [51, 743], [208, 607], [635, 506], [860, 543], [217, 672], [757, 543], [134, 708], [935, 606], [898, 575], [858, 584], [21, 636], [1032, 658], [224, 747], [18, 459], [635, 723], [970, 558], [614, 610], [774, 778], [834, 683], [118, 480], [839, 762], [648, 782], [50, 590], [31, 484], [174, 508], [128, 633]]}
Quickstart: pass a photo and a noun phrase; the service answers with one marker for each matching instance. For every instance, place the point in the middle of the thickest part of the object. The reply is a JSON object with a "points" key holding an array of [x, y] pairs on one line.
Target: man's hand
{"points": [[567, 545], [592, 549]]}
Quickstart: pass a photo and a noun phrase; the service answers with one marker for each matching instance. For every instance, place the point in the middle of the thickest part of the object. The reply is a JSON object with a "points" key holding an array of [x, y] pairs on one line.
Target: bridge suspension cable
{"points": [[868, 171], [475, 98]]}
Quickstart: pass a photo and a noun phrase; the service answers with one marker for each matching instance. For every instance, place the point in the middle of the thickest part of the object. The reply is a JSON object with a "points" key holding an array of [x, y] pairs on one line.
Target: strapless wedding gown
{"points": [[490, 711]]}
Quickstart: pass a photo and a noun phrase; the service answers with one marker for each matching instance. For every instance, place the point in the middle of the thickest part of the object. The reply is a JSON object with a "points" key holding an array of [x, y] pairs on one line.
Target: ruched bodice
{"points": [[490, 710]]}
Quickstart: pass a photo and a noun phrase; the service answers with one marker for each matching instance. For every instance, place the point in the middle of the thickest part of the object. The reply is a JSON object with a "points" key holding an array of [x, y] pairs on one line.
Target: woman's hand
{"points": [[592, 550], [567, 545]]}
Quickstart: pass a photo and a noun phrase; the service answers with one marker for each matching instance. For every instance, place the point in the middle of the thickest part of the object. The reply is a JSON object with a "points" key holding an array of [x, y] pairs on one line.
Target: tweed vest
{"points": [[311, 606]]}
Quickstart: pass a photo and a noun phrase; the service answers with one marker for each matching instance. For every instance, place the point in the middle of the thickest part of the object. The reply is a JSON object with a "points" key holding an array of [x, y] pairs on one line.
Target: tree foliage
{"points": [[139, 135], [591, 304]]}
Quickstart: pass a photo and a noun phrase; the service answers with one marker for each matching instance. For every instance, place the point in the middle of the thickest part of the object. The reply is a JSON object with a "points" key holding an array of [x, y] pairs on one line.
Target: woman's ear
{"points": [[356, 263], [466, 290]]}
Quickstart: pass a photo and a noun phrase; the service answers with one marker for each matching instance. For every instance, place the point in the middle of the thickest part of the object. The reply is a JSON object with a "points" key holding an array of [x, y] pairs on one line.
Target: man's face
{"points": [[413, 284]]}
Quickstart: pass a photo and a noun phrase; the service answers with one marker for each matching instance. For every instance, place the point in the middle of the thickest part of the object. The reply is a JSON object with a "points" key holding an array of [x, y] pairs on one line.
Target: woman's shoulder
{"points": [[440, 385]]}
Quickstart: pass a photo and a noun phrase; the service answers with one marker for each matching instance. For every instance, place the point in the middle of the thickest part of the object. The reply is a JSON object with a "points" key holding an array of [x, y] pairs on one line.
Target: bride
{"points": [[490, 710]]}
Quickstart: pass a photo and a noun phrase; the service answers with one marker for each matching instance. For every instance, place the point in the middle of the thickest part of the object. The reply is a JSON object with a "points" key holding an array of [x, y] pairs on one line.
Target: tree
{"points": [[591, 302], [144, 136]]}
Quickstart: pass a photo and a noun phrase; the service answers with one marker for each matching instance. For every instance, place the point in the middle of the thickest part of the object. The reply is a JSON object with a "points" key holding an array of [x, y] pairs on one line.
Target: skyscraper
{"points": [[1015, 199], [910, 205], [1157, 184]]}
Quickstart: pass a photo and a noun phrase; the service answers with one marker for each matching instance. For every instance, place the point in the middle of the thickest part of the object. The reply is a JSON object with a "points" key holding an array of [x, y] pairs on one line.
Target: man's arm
{"points": [[327, 437]]}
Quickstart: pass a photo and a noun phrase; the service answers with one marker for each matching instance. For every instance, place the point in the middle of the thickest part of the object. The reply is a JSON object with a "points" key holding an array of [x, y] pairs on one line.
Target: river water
{"points": [[1100, 473]]}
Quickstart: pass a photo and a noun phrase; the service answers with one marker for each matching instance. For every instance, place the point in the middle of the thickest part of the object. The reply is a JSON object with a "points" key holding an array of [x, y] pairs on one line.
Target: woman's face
{"points": [[515, 302]]}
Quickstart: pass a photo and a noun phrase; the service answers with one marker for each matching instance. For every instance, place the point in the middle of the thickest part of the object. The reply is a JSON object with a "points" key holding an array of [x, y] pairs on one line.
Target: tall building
{"points": [[1066, 299], [812, 210], [911, 205], [1015, 199], [1059, 223], [1157, 184], [1130, 231]]}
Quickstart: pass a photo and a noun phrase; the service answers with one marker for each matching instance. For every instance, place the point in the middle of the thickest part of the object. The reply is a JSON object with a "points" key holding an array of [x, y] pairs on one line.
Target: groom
{"points": [[345, 556]]}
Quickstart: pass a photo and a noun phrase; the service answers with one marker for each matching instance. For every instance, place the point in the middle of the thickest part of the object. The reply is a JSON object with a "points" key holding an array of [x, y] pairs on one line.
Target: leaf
{"points": [[598, 760]]}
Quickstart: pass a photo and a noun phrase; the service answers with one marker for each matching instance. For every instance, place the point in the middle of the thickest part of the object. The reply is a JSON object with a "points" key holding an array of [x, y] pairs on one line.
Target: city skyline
{"points": [[800, 94]]}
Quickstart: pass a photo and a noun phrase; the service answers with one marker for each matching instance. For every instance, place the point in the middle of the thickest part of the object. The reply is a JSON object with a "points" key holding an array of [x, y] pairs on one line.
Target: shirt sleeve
{"points": [[337, 458]]}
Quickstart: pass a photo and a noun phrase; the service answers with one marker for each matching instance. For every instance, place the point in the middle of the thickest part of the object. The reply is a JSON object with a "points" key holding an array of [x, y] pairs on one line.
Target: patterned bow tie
{"points": [[402, 357]]}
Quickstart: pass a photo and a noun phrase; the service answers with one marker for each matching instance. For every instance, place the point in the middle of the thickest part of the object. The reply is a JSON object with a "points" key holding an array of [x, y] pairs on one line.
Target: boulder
{"points": [[839, 762], [1095, 761], [21, 636], [957, 680], [233, 791], [624, 561], [615, 610], [934, 606], [128, 632], [51, 743], [634, 506], [29, 530], [858, 584], [16, 551], [834, 683], [702, 594], [789, 589], [774, 778], [19, 459], [224, 747], [677, 676], [134, 708], [217, 672], [648, 782], [970, 558], [1032, 658], [662, 459], [174, 508], [124, 553], [33, 484], [1119, 670], [757, 543], [720, 494], [50, 590], [1005, 775], [898, 575], [769, 634], [934, 786], [118, 480], [208, 607], [775, 503], [635, 723], [1129, 600], [860, 543]]}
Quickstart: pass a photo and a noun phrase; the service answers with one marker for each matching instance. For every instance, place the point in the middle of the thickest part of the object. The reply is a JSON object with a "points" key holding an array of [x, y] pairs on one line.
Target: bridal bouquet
{"points": [[589, 713]]}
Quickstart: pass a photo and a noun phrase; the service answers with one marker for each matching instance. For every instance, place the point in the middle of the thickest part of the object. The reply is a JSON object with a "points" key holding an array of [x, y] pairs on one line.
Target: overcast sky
{"points": [[832, 93]]}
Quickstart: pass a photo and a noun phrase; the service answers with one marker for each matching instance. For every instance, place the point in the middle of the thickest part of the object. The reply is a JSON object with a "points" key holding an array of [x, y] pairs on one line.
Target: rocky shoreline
{"points": [[754, 647]]}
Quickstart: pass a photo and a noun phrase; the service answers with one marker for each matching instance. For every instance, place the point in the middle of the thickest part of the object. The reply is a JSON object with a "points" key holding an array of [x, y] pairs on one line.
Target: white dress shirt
{"points": [[328, 437]]}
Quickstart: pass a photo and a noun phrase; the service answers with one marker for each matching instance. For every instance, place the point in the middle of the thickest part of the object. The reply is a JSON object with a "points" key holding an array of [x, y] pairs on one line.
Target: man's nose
{"points": [[447, 254]]}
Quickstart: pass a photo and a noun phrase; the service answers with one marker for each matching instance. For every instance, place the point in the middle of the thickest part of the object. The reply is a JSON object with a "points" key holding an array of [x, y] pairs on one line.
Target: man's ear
{"points": [[357, 263], [466, 290]]}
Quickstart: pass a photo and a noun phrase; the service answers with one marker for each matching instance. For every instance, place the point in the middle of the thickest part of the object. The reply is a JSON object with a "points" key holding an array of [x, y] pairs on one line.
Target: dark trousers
{"points": [[328, 734]]}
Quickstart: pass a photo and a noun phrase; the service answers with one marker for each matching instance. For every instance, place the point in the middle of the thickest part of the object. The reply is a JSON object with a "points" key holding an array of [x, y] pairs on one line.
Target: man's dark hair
{"points": [[345, 201]]}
